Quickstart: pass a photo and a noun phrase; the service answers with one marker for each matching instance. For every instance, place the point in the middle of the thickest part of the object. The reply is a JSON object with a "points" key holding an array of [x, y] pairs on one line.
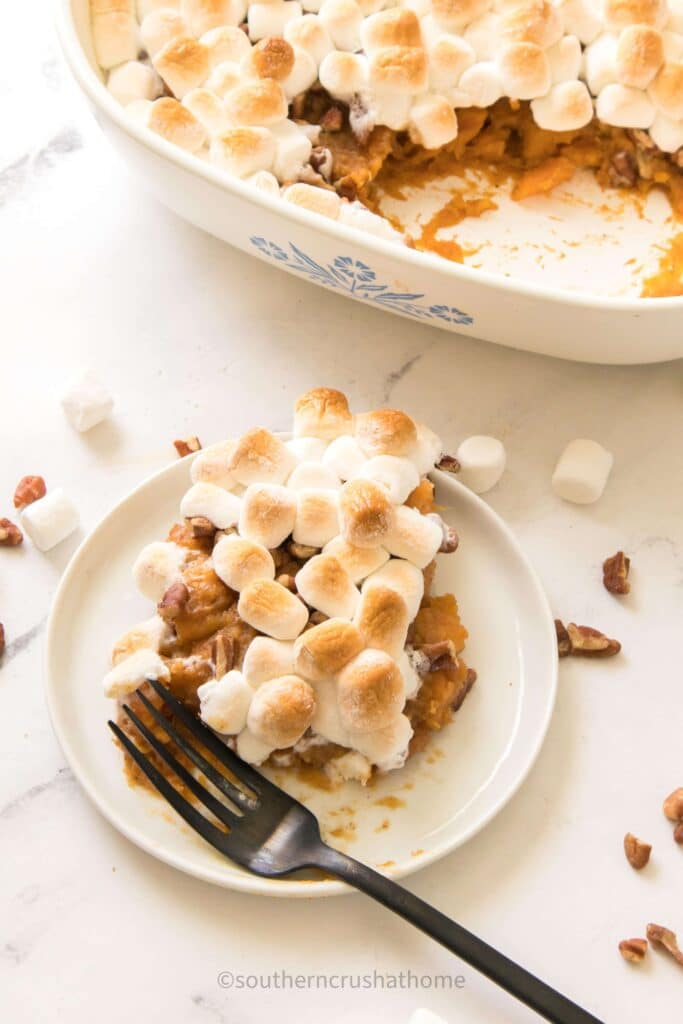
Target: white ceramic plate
{"points": [[443, 796]]}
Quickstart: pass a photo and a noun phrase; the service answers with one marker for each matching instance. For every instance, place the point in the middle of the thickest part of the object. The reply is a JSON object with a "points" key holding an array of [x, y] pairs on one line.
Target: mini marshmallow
{"points": [[293, 150], [148, 635], [355, 215], [326, 586], [326, 720], [414, 537], [281, 711], [386, 432], [161, 27], [114, 34], [87, 402], [483, 36], [581, 19], [582, 471], [309, 33], [132, 672], [370, 693], [386, 748], [350, 767], [225, 77], [619, 14], [243, 151], [183, 64], [600, 63], [317, 517], [398, 70], [567, 106], [382, 619], [411, 679], [666, 90], [268, 514], [449, 58], [525, 71], [50, 520], [313, 199], [307, 449], [134, 81], [366, 514], [343, 20], [565, 58], [238, 562], [405, 578], [157, 567], [266, 659], [227, 43], [482, 83], [344, 457], [211, 465], [391, 110], [432, 122], [270, 19], [321, 652], [259, 103], [261, 457], [357, 562], [482, 461], [217, 505], [145, 7], [313, 475], [640, 54], [252, 750], [398, 476], [176, 124], [394, 27], [208, 110], [224, 703], [428, 449], [302, 76], [538, 22], [266, 182], [343, 74], [666, 133], [624, 107], [272, 609], [204, 15], [454, 16]]}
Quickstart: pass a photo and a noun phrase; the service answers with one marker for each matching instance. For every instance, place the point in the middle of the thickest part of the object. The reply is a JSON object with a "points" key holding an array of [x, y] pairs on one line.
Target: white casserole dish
{"points": [[538, 316]]}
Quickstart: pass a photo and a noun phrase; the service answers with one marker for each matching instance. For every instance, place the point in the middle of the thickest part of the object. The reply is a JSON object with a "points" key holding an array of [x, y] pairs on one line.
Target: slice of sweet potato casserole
{"points": [[294, 604]]}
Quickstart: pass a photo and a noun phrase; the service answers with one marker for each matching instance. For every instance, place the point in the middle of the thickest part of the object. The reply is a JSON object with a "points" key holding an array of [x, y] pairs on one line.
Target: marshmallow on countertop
{"points": [[224, 703], [131, 673], [87, 402], [482, 462], [50, 520], [220, 507], [582, 471], [158, 565]]}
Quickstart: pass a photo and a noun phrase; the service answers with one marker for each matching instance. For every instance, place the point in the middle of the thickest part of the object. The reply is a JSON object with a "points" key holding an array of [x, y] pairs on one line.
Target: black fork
{"points": [[271, 834]]}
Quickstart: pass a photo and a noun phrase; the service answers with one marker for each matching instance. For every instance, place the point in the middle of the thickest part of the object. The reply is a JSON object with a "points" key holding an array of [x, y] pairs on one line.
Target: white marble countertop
{"points": [[194, 337]]}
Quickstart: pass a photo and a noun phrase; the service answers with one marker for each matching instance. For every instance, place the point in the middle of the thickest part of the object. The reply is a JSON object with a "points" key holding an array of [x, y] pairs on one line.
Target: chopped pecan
{"points": [[448, 464], [201, 526], [29, 489], [591, 643], [661, 936], [2, 639], [450, 541], [615, 572], [637, 852], [10, 535], [678, 833], [673, 805], [633, 950], [316, 618], [321, 161], [440, 656], [173, 602], [223, 654], [623, 169], [564, 644], [186, 446], [333, 119], [286, 580], [642, 139], [229, 531], [302, 551]]}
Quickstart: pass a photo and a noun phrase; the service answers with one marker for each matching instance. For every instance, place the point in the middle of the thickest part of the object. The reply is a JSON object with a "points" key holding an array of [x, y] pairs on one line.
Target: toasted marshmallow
{"points": [[252, 750], [565, 59], [208, 110], [326, 720], [525, 71], [624, 107], [270, 19], [148, 635], [132, 672], [343, 74], [270, 58], [216, 504], [257, 104], [50, 520], [87, 402], [673, 43], [449, 57], [370, 692], [175, 123], [293, 150], [382, 619], [398, 476], [224, 703], [323, 413], [404, 577], [386, 748], [399, 70], [315, 200], [391, 110], [227, 43], [394, 27], [533, 21], [640, 54], [620, 14], [581, 19], [134, 81], [321, 652], [667, 133], [428, 450], [454, 15], [272, 609], [268, 514], [266, 182], [238, 562], [343, 20], [344, 457], [414, 537], [666, 91], [307, 449], [309, 33], [317, 517], [411, 678], [267, 659], [281, 711], [482, 83], [432, 122], [483, 36], [211, 465], [600, 63], [582, 471], [145, 7], [386, 432], [366, 515], [158, 566], [261, 457], [160, 28], [243, 151], [315, 476], [223, 79], [326, 586], [567, 106], [357, 562], [114, 33], [204, 15], [183, 64], [302, 76], [355, 215]]}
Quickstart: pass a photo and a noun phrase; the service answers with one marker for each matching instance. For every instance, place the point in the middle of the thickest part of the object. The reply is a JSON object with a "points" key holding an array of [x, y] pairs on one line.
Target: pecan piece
{"points": [[187, 445], [440, 656], [450, 541], [623, 169], [321, 161], [658, 935], [10, 535], [201, 526], [673, 805], [564, 644], [615, 572], [633, 950], [286, 580], [678, 833], [223, 654], [302, 551], [2, 639], [591, 643], [448, 464], [637, 852], [29, 489], [316, 618], [173, 602], [332, 120]]}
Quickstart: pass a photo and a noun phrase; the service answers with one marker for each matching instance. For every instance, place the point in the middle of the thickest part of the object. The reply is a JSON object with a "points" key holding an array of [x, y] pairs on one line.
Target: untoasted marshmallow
{"points": [[50, 520], [667, 133], [482, 459], [382, 619], [243, 151], [323, 413], [266, 659], [87, 402], [483, 35], [343, 74], [204, 15], [132, 672], [600, 63], [161, 27], [270, 19], [293, 150], [414, 537], [313, 475], [281, 711], [223, 79], [211, 465], [176, 124], [224, 703], [227, 43], [567, 106], [366, 514], [183, 64], [565, 59], [321, 652], [581, 19], [317, 517], [344, 457], [266, 182], [326, 720], [252, 750], [158, 566], [428, 449], [148, 635], [134, 81], [358, 562], [624, 107], [238, 562], [307, 449], [220, 507], [397, 476], [667, 90], [326, 586], [302, 76], [315, 200], [208, 110], [482, 83], [404, 577], [309, 33], [261, 457], [257, 104], [582, 471], [370, 692], [268, 514], [525, 71], [432, 122], [386, 748], [640, 54], [272, 609], [115, 36], [343, 20]]}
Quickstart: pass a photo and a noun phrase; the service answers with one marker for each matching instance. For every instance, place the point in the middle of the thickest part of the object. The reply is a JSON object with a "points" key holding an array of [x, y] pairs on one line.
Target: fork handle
{"points": [[509, 975]]}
